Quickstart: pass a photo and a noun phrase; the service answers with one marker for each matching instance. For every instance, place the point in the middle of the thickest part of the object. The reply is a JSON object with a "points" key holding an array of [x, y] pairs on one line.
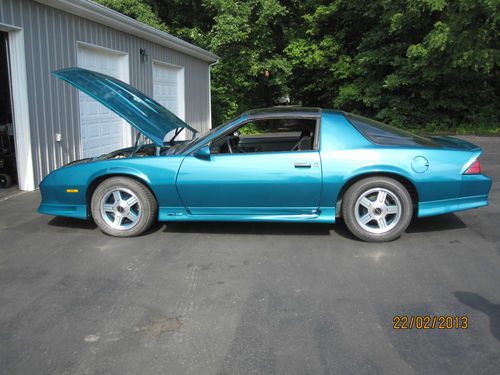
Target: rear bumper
{"points": [[474, 191], [451, 205]]}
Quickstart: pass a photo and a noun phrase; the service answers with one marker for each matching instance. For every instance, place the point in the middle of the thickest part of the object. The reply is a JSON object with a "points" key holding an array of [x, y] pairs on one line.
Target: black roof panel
{"points": [[284, 111]]}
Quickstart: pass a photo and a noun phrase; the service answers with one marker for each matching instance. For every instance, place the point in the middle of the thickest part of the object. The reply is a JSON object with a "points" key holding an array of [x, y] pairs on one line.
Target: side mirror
{"points": [[202, 153]]}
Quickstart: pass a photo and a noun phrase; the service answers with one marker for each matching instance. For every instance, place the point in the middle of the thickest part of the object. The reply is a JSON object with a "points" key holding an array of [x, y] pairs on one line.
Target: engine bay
{"points": [[141, 151]]}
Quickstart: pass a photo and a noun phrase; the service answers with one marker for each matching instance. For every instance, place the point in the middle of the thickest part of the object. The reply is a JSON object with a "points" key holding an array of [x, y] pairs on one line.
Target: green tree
{"points": [[137, 9], [247, 35], [412, 63]]}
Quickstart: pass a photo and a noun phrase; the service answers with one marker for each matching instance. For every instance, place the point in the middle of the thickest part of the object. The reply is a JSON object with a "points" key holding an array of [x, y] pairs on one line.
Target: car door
{"points": [[253, 183]]}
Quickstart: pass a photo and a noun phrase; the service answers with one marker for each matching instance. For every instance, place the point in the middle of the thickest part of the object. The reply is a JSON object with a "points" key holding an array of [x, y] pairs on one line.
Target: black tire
{"points": [[5, 181], [146, 206], [352, 216]]}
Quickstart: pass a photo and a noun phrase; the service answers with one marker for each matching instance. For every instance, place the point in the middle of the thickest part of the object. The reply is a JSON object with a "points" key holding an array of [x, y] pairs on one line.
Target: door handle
{"points": [[302, 165]]}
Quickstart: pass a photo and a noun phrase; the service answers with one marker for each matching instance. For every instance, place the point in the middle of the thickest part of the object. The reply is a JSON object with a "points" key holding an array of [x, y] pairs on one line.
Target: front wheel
{"points": [[123, 207], [377, 209]]}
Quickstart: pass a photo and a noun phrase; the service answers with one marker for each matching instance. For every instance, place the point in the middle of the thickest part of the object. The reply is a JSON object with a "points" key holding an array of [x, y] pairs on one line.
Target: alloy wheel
{"points": [[120, 208], [378, 210]]}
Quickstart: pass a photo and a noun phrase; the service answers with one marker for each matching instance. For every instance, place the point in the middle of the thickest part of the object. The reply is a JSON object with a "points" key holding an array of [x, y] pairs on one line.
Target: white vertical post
{"points": [[20, 104]]}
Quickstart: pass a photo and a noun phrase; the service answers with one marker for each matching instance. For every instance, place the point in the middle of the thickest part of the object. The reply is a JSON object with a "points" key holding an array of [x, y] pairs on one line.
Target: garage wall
{"points": [[51, 38]]}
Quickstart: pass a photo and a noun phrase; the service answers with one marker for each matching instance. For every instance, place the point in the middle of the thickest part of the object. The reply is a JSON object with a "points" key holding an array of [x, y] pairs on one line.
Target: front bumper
{"points": [[57, 201], [75, 211]]}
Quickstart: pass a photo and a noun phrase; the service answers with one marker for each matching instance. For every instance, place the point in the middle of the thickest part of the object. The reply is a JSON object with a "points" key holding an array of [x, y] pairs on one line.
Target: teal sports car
{"points": [[287, 164]]}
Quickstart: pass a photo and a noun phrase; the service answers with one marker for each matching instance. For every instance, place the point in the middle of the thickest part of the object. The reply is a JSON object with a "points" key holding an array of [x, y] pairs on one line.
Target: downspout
{"points": [[210, 94]]}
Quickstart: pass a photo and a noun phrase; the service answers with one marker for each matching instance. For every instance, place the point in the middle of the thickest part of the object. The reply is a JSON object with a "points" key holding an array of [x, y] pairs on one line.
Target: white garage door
{"points": [[102, 131], [168, 89]]}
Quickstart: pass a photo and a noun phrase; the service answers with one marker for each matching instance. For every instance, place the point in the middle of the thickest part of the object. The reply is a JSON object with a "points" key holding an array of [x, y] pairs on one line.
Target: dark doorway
{"points": [[8, 173]]}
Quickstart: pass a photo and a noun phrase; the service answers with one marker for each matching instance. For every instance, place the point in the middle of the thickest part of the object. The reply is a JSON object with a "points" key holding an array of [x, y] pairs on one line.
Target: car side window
{"points": [[268, 135]]}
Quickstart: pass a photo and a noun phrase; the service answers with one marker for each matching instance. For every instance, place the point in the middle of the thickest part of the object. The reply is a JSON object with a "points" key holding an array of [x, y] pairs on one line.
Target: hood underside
{"points": [[146, 115]]}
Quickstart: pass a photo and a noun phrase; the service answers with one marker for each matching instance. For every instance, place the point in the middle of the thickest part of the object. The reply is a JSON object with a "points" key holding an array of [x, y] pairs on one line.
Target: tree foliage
{"points": [[136, 9], [412, 63]]}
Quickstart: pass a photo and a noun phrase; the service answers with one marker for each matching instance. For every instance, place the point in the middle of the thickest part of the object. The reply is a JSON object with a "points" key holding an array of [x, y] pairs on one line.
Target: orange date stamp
{"points": [[430, 322]]}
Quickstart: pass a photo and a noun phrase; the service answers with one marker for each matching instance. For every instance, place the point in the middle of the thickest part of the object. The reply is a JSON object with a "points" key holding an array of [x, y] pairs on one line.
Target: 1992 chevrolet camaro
{"points": [[281, 164]]}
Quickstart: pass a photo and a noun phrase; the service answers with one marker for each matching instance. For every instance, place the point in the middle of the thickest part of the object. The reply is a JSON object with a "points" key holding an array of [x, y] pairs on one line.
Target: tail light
{"points": [[474, 168]]}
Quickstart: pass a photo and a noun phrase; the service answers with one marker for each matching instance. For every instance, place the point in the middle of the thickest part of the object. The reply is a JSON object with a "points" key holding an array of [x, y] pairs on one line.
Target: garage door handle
{"points": [[302, 165]]}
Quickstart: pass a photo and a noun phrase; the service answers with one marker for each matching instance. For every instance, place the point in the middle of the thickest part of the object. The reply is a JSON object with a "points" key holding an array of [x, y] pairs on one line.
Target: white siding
{"points": [[51, 38]]}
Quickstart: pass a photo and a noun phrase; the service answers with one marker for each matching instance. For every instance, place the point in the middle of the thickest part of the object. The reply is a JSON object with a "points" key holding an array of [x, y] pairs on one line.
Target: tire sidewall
{"points": [[356, 190], [5, 181], [146, 201]]}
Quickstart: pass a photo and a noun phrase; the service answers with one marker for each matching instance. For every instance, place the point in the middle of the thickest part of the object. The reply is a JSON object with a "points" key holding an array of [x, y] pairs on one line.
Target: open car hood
{"points": [[146, 115]]}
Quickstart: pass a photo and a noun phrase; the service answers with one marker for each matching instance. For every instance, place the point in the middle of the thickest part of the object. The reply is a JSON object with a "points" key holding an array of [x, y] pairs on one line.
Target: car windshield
{"points": [[184, 146], [384, 134]]}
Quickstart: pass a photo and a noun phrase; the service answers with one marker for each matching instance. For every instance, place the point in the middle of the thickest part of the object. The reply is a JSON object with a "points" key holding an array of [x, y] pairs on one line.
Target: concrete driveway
{"points": [[215, 298]]}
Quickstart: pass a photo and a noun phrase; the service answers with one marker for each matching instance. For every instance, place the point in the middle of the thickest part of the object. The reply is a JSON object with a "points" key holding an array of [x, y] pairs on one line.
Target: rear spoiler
{"points": [[454, 143]]}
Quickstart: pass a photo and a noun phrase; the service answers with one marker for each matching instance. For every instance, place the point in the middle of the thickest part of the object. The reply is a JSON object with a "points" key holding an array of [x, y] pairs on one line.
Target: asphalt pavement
{"points": [[241, 298]]}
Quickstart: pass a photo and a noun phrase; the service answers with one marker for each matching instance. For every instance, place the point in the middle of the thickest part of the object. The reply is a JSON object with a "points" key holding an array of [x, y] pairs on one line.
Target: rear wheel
{"points": [[377, 209], [123, 207]]}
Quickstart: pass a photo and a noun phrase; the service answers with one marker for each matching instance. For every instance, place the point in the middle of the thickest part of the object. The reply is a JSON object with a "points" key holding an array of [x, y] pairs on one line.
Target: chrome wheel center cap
{"points": [[378, 211], [122, 209]]}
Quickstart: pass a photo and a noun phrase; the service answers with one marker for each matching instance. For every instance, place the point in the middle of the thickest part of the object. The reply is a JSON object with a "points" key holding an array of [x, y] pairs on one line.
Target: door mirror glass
{"points": [[203, 153]]}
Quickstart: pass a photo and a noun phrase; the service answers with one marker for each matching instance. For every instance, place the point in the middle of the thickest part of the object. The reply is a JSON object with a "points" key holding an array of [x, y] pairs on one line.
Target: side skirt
{"points": [[324, 215]]}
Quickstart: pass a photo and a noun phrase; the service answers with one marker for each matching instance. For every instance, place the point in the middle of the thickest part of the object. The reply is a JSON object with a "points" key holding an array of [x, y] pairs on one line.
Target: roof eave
{"points": [[109, 17]]}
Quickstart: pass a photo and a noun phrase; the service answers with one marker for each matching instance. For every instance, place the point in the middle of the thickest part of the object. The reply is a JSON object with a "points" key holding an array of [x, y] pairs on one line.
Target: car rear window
{"points": [[384, 134]]}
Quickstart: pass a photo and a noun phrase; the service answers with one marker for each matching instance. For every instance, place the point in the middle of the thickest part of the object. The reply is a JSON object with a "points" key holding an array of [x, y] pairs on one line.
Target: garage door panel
{"points": [[102, 131], [105, 131], [166, 87], [92, 108], [102, 63], [168, 90], [93, 129]]}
